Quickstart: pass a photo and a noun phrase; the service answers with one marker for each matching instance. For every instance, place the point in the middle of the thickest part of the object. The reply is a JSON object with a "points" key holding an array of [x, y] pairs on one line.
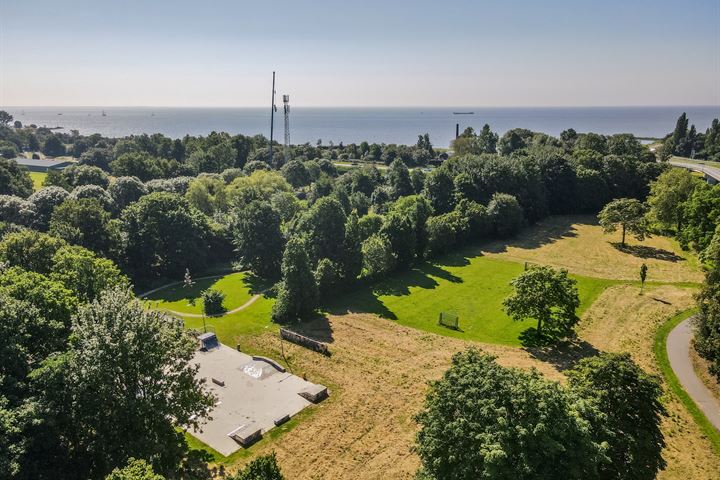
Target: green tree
{"points": [[546, 295], [296, 174], [86, 274], [53, 147], [207, 194], [126, 190], [701, 216], [399, 230], [163, 235], [378, 257], [629, 214], [482, 420], [127, 369], [5, 118], [213, 302], [668, 194], [45, 200], [14, 180], [327, 278], [707, 331], [439, 190], [506, 214], [30, 250], [51, 297], [86, 223], [323, 226], [442, 234], [137, 164], [260, 185], [134, 470], [352, 244], [258, 238], [398, 177], [264, 467], [297, 292], [631, 408]]}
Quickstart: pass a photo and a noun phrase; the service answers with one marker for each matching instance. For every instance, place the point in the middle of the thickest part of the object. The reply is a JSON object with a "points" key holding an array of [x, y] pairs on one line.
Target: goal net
{"points": [[449, 320]]}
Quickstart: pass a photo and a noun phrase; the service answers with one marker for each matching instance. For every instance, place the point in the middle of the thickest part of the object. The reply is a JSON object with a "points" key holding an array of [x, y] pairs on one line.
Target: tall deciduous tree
{"points": [[122, 386], [628, 214], [482, 420], [297, 292], [629, 401], [258, 238], [546, 295], [668, 194], [164, 235], [14, 180], [398, 177]]}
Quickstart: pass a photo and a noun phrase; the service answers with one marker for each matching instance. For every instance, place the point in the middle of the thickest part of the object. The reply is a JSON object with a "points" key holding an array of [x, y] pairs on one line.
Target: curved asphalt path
{"points": [[678, 350]]}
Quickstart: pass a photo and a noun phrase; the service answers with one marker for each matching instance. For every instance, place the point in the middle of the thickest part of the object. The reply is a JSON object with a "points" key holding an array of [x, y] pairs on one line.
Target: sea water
{"points": [[353, 125]]}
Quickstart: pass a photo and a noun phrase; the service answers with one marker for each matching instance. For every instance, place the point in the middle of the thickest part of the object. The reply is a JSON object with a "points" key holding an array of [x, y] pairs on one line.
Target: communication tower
{"points": [[286, 110]]}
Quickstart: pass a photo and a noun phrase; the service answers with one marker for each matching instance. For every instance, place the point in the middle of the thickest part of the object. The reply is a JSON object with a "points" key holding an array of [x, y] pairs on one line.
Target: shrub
{"points": [[213, 302]]}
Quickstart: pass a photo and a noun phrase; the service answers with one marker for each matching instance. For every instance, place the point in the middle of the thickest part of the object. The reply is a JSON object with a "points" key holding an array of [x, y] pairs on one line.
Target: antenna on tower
{"points": [[286, 110]]}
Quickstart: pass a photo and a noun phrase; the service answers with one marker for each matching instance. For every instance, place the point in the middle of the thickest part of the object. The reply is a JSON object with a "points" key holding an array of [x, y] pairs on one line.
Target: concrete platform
{"points": [[255, 395]]}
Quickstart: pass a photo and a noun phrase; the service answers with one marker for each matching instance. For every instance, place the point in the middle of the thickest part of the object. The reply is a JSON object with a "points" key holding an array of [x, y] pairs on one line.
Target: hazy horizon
{"points": [[374, 53]]}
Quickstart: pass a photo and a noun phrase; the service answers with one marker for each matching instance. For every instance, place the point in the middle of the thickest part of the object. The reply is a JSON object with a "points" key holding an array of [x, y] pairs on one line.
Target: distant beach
{"points": [[353, 125]]}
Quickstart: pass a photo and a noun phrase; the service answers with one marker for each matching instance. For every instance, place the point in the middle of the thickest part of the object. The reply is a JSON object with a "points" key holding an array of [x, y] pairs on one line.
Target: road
{"points": [[713, 172], [678, 349]]}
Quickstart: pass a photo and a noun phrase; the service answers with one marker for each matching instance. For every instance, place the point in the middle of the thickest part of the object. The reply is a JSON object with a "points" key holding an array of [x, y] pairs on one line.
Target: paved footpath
{"points": [[678, 349]]}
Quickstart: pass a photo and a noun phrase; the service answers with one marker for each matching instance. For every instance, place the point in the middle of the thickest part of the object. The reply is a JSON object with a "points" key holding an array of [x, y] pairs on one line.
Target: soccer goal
{"points": [[449, 320]]}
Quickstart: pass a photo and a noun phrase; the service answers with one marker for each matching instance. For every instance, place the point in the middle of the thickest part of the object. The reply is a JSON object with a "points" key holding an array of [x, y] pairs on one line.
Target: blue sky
{"points": [[370, 53]]}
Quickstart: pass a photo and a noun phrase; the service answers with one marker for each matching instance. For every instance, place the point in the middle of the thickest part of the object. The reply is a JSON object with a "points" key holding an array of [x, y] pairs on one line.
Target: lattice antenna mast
{"points": [[286, 110]]}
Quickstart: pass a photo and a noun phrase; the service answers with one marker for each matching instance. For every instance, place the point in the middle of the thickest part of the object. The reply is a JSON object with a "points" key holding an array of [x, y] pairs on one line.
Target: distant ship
{"points": [[104, 114], [463, 113], [59, 113]]}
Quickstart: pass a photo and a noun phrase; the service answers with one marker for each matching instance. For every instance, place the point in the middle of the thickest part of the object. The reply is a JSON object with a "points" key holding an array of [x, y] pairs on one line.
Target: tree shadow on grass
{"points": [[544, 232], [563, 354], [318, 328], [366, 297], [644, 251]]}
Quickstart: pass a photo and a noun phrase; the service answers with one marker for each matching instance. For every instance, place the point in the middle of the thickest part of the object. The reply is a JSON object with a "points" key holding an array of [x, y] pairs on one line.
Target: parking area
{"points": [[254, 395]]}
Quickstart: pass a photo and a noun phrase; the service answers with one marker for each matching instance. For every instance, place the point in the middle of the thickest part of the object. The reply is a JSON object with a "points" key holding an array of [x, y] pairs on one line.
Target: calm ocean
{"points": [[381, 125]]}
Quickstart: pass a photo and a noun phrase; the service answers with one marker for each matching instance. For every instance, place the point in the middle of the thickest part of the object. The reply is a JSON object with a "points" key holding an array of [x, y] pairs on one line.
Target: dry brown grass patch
{"points": [[620, 320], [578, 243], [378, 374]]}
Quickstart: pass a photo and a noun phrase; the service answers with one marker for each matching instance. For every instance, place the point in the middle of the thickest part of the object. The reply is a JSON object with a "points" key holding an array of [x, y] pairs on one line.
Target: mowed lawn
{"points": [[233, 329], [38, 178], [473, 288], [237, 287]]}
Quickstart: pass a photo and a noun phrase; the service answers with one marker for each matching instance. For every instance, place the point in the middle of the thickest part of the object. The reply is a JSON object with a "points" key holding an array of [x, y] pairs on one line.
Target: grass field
{"points": [[237, 287], [577, 242], [38, 178], [473, 289], [379, 367]]}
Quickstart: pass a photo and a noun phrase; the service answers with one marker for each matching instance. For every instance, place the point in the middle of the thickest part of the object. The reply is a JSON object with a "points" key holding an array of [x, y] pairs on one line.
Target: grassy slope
{"points": [[660, 350], [473, 291], [236, 287]]}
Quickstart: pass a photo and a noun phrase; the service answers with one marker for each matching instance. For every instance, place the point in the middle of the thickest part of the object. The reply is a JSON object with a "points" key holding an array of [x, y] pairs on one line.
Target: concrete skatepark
{"points": [[254, 394]]}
